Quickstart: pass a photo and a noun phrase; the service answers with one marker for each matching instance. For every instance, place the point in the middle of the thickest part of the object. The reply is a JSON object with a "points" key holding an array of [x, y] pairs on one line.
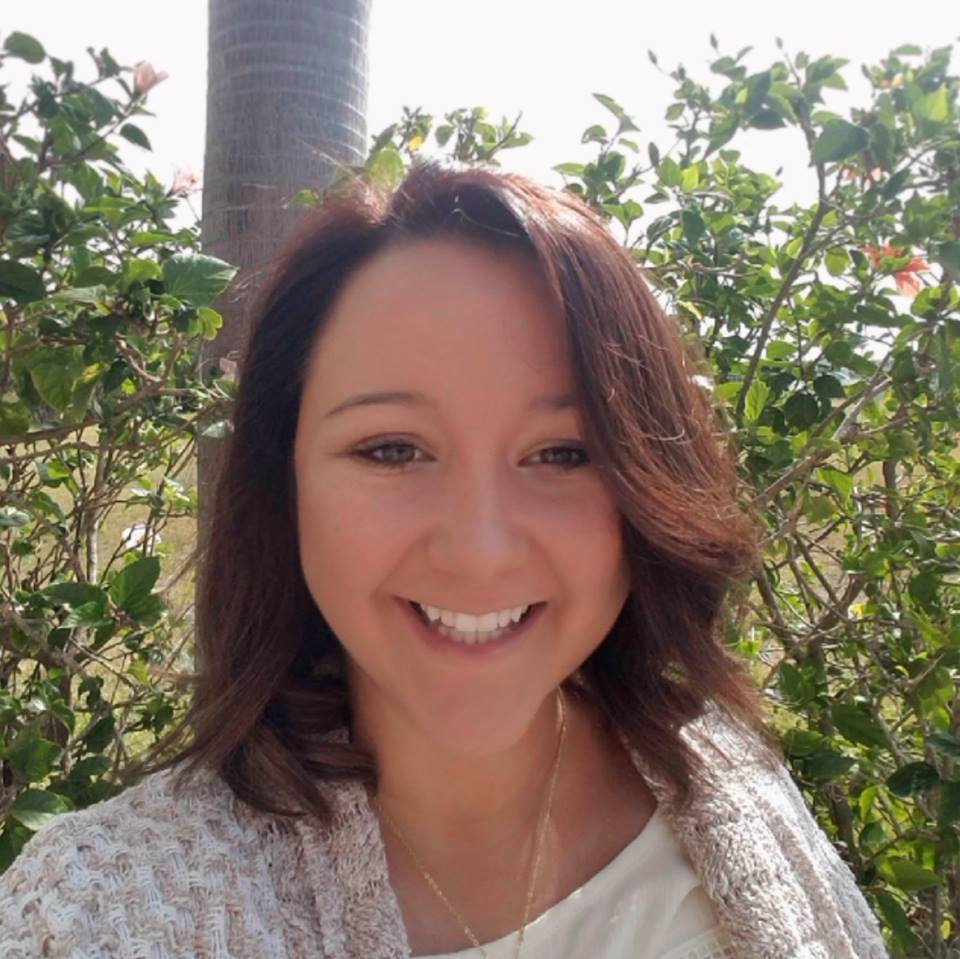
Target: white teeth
{"points": [[473, 626]]}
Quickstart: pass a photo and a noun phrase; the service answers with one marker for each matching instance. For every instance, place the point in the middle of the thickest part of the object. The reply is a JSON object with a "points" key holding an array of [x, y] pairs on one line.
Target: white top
{"points": [[646, 903]]}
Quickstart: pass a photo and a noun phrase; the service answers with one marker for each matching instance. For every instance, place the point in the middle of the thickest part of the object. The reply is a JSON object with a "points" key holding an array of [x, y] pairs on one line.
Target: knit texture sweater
{"points": [[162, 873]]}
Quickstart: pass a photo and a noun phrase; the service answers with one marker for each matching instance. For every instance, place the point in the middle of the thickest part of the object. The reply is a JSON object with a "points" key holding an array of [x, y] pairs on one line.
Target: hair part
{"points": [[271, 690]]}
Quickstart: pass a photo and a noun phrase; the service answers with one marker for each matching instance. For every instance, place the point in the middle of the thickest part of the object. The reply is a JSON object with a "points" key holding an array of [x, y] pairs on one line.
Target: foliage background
{"points": [[826, 332]]}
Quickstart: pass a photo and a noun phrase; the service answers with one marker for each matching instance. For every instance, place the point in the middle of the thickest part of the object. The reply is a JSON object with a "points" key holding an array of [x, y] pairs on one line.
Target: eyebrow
{"points": [[411, 398]]}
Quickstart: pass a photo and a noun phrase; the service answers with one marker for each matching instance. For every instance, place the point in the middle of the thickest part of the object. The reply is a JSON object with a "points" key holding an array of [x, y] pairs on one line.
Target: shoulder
{"points": [[81, 879], [760, 852], [144, 822], [746, 790]]}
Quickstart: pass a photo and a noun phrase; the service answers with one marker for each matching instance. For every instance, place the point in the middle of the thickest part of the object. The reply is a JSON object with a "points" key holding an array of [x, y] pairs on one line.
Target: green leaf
{"points": [[209, 322], [134, 134], [857, 725], [923, 587], [90, 615], [932, 108], [828, 764], [945, 744], [54, 370], [690, 178], [610, 104], [755, 92], [133, 584], [898, 922], [670, 174], [828, 386], [90, 767], [152, 237], [767, 119], [25, 47], [948, 256], [305, 197], [837, 480], [82, 391], [801, 410], [674, 112], [756, 400], [937, 688], [34, 808], [949, 812], [594, 134], [97, 736], [32, 756], [385, 168], [802, 742], [693, 225], [14, 417], [913, 778], [196, 278], [908, 875], [88, 295], [780, 349], [837, 260], [838, 141], [139, 270], [20, 282], [76, 594], [795, 683]]}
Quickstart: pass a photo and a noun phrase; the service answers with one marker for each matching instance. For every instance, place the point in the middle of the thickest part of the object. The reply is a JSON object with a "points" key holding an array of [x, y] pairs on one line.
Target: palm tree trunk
{"points": [[286, 101]]}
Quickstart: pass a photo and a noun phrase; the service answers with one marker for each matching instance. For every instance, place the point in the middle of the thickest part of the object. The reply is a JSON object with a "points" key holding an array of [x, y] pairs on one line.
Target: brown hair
{"points": [[270, 687]]}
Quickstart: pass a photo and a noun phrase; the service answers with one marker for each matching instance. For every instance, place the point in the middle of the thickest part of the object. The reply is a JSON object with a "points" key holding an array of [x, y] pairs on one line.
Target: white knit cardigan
{"points": [[199, 873]]}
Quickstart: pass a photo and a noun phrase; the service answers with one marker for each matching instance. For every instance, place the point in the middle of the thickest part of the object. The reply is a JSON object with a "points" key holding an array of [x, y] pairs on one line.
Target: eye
{"points": [[394, 453], [565, 462], [398, 454]]}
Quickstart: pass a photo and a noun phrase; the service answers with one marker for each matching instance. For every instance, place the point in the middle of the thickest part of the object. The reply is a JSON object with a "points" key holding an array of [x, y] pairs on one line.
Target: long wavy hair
{"points": [[270, 686]]}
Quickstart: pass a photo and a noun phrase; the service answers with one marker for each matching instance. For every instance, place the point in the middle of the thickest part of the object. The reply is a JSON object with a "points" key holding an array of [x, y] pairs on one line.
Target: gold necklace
{"points": [[541, 832]]}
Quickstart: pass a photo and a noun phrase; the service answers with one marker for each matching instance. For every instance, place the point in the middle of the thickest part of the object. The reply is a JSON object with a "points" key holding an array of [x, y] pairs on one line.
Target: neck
{"points": [[450, 803]]}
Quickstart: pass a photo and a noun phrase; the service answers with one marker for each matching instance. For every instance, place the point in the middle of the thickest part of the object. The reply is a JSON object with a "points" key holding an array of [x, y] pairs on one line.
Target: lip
{"points": [[492, 647]]}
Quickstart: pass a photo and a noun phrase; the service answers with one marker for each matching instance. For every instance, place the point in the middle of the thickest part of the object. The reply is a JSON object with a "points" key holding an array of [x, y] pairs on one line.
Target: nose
{"points": [[479, 535]]}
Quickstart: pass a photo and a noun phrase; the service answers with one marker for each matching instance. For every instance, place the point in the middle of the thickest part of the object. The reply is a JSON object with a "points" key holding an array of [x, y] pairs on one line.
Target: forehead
{"points": [[416, 313]]}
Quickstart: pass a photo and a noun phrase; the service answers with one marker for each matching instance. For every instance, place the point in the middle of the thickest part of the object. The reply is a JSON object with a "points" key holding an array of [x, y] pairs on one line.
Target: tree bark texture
{"points": [[286, 102]]}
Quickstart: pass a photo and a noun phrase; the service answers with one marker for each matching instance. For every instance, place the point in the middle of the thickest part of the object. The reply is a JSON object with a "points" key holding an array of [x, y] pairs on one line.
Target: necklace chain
{"points": [[538, 849]]}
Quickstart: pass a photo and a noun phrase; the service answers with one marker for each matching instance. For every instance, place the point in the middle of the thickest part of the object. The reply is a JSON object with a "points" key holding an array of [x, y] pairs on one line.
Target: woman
{"points": [[461, 688]]}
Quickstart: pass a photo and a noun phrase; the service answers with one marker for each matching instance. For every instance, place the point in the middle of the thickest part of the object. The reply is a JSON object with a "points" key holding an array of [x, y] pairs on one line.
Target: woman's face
{"points": [[491, 506]]}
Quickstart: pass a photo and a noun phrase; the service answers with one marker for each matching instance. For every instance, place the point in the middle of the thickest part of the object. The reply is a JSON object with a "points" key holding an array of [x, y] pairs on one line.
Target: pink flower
{"points": [[185, 181], [228, 367], [905, 277], [146, 77], [871, 177]]}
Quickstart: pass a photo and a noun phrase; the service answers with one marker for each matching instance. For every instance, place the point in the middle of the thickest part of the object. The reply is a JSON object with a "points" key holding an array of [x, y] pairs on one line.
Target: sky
{"points": [[542, 57]]}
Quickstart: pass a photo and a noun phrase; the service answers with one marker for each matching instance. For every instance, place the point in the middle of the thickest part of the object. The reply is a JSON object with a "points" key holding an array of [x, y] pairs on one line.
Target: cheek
{"points": [[597, 563], [592, 528], [349, 540]]}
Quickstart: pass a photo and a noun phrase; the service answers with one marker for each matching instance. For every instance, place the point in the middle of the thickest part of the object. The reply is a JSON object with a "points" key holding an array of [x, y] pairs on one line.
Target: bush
{"points": [[102, 307]]}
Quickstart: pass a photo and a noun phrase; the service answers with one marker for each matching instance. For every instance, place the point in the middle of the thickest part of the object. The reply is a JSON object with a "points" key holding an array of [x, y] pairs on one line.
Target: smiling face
{"points": [[492, 503]]}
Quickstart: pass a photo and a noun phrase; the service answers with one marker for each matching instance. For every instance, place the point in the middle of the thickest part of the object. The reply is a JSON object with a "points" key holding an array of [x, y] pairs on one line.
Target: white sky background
{"points": [[542, 57]]}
